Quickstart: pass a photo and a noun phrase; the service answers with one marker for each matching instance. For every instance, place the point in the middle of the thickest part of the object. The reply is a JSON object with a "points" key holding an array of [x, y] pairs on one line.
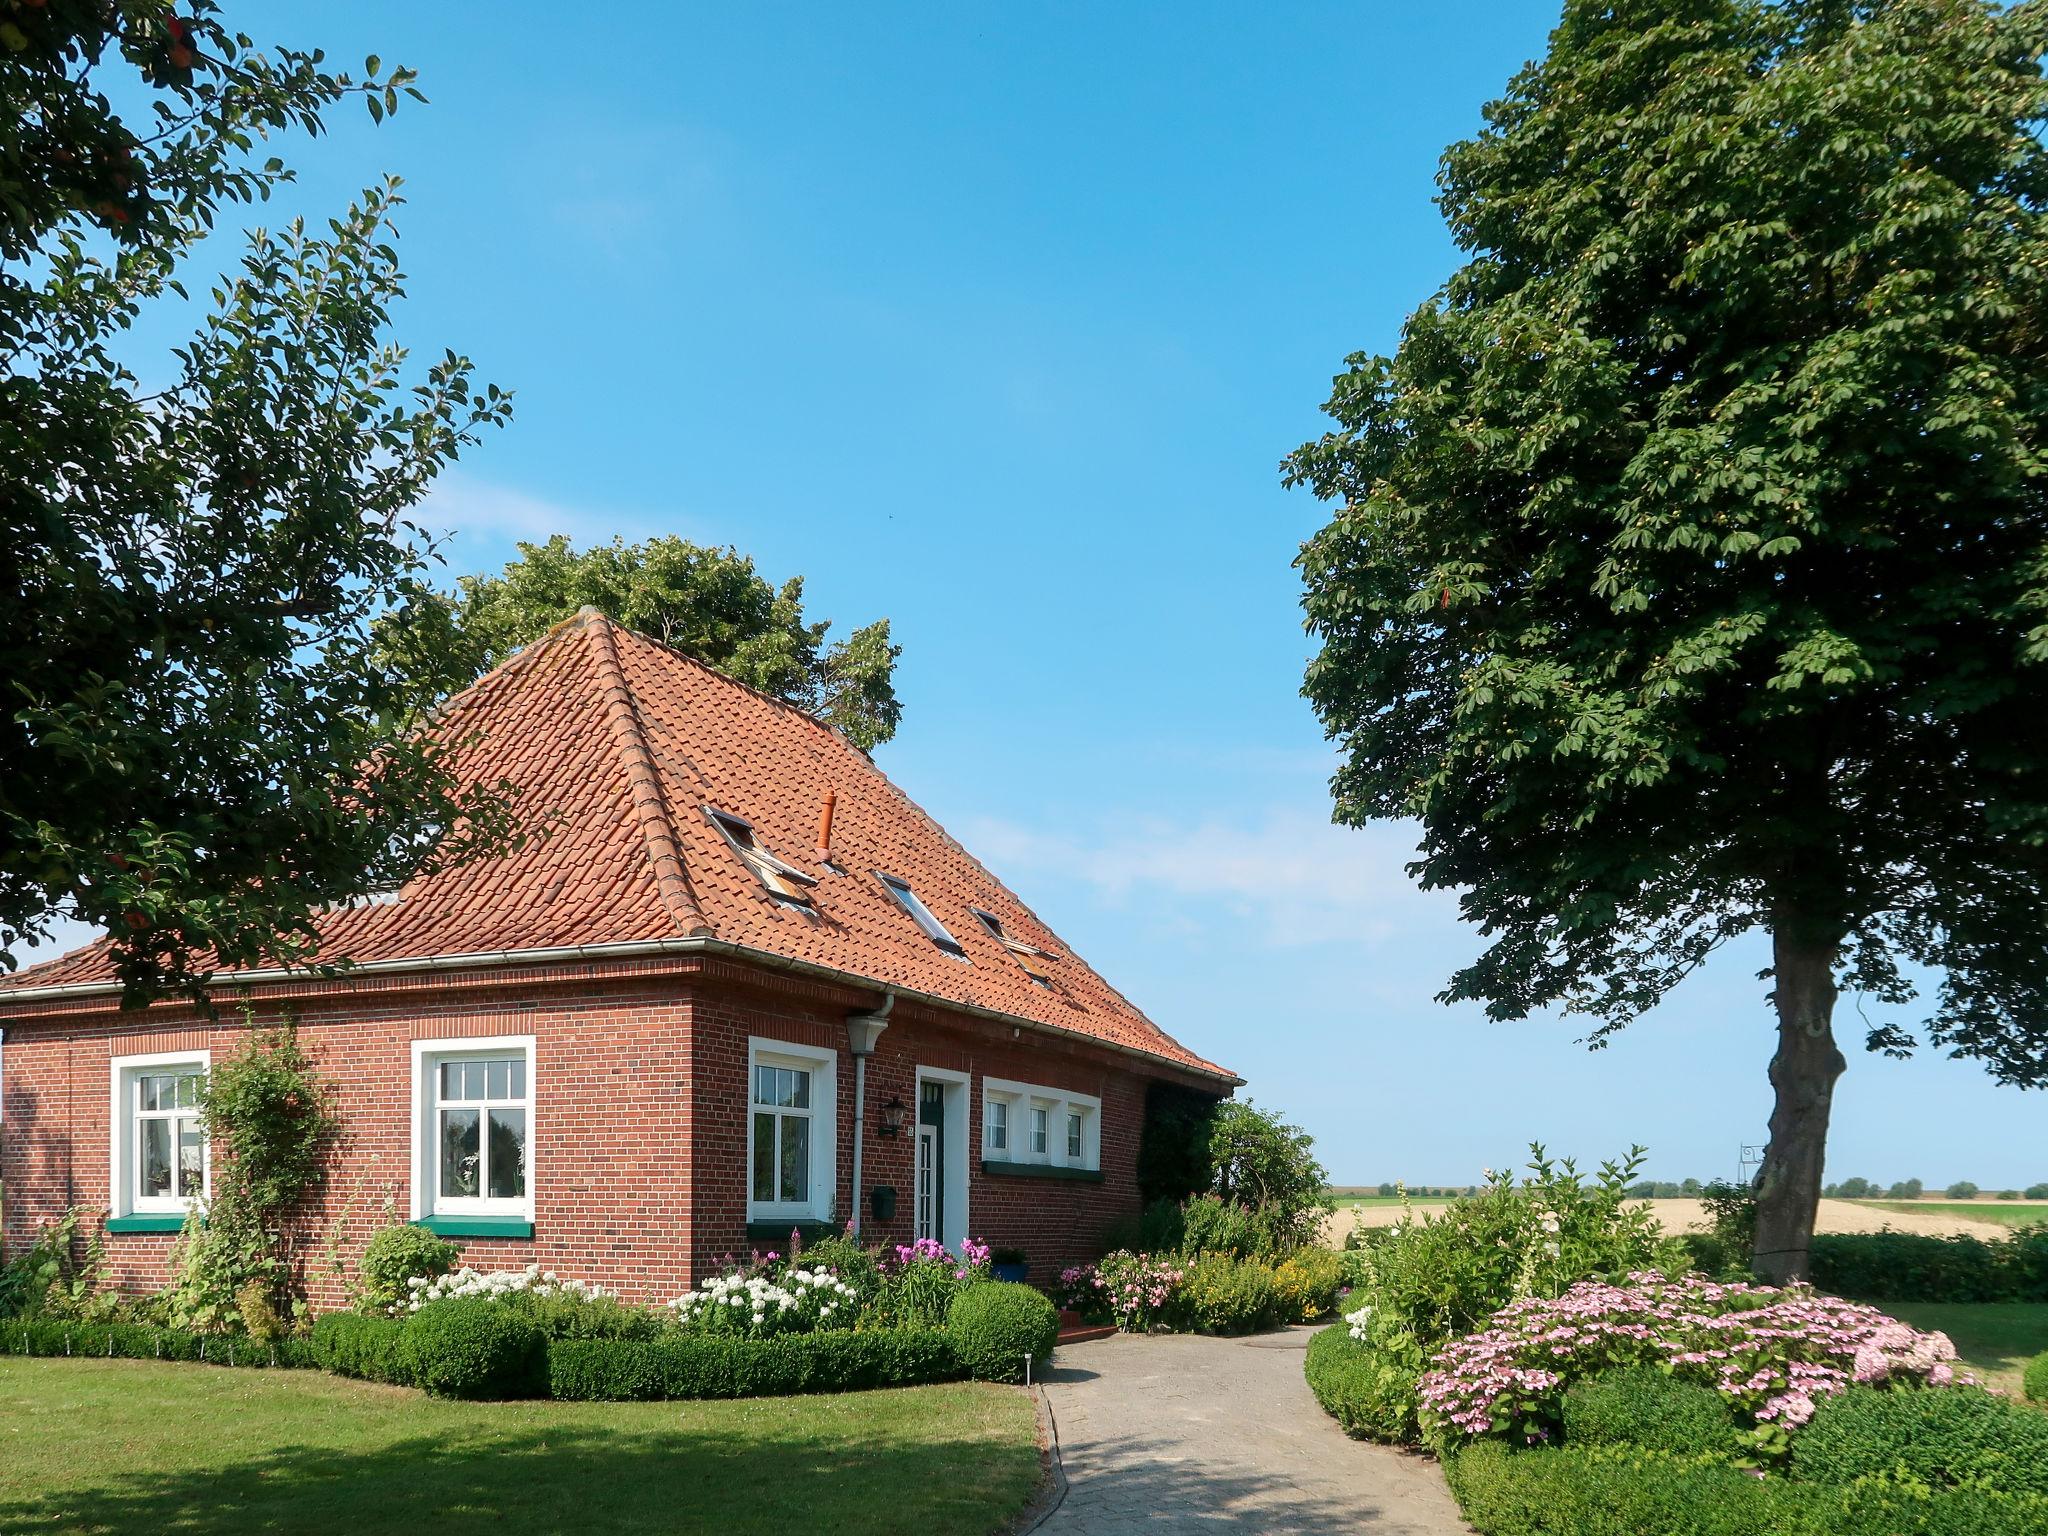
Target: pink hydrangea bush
{"points": [[1138, 1288], [1770, 1352]]}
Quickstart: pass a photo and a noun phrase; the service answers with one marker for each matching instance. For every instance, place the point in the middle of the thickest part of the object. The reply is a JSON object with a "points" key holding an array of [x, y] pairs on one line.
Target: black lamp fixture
{"points": [[895, 1114]]}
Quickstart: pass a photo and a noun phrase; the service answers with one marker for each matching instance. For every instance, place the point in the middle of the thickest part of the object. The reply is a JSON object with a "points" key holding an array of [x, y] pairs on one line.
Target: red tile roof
{"points": [[618, 745]]}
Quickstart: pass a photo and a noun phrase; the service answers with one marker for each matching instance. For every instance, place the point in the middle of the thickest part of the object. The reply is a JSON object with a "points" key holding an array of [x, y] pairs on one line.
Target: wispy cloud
{"points": [[1287, 877], [469, 508]]}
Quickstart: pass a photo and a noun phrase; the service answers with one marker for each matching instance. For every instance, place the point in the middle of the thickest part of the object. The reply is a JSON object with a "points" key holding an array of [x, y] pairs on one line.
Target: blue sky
{"points": [[996, 319]]}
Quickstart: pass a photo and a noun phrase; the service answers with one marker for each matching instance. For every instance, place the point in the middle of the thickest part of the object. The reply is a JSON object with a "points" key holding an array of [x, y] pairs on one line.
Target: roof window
{"points": [[785, 882], [921, 914], [1029, 956]]}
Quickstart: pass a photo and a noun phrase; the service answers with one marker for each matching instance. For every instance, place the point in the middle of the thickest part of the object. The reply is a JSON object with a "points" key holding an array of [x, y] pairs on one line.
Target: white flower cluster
{"points": [[530, 1281], [1360, 1321], [751, 1304]]}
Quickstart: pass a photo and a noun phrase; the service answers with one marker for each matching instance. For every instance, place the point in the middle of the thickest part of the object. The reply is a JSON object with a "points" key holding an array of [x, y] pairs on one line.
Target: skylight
{"points": [[921, 914], [1029, 956], [784, 881]]}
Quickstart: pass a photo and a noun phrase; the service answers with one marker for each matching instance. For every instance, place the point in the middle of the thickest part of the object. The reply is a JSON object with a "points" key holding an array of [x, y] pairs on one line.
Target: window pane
{"points": [[796, 1159], [188, 1091], [459, 1153], [156, 1157], [499, 1073], [1073, 1135], [191, 1159], [508, 1154], [764, 1085], [764, 1158], [518, 1066], [1038, 1130], [451, 1079], [151, 1089], [799, 1090]]}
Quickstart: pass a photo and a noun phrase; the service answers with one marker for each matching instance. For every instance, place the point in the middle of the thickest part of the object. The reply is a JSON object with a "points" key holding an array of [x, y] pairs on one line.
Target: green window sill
{"points": [[1001, 1170], [476, 1226], [119, 1224]]}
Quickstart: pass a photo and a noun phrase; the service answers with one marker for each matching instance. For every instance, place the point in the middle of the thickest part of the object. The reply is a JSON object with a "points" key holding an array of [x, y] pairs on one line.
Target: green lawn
{"points": [[1995, 1339], [2007, 1213], [119, 1446]]}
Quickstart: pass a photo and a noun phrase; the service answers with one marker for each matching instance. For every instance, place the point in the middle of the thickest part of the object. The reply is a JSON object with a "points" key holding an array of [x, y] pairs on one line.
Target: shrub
{"points": [[1213, 1225], [1962, 1189], [1607, 1490], [560, 1313], [756, 1307], [142, 1341], [1911, 1266], [1308, 1283], [1936, 1439], [693, 1366], [395, 1257], [470, 1346], [1160, 1228], [1370, 1396], [845, 1258], [1771, 1353], [2034, 1383], [1139, 1289], [1906, 1189], [497, 1285], [365, 1347], [45, 1277], [1219, 1294], [997, 1325], [2037, 1192], [1647, 1406], [1268, 1167]]}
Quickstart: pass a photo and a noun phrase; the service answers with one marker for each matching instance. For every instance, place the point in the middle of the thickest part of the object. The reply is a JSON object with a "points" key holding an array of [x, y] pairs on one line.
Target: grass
{"points": [[1972, 1210], [1995, 1339], [116, 1446], [1344, 1200]]}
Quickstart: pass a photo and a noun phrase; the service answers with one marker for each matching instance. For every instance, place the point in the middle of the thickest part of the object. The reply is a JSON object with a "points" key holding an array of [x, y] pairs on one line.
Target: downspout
{"points": [[862, 1031]]}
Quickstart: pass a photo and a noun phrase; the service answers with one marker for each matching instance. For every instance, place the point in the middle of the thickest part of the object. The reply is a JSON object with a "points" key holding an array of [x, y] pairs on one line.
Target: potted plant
{"points": [[1009, 1264]]}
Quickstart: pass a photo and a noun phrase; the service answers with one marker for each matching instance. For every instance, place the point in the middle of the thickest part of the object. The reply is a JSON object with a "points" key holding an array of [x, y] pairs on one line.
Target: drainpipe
{"points": [[862, 1031]]}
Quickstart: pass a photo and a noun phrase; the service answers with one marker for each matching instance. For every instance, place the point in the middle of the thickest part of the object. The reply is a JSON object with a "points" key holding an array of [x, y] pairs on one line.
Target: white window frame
{"points": [[124, 1146], [427, 1057], [823, 1065], [763, 865], [1020, 1100], [996, 1129]]}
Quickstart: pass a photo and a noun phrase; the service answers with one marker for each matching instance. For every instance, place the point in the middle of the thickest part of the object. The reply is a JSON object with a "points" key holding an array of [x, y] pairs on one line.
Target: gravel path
{"points": [[1180, 1433]]}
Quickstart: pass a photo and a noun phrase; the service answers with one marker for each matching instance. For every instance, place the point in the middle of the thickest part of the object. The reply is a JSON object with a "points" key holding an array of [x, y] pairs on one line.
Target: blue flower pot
{"points": [[1011, 1272]]}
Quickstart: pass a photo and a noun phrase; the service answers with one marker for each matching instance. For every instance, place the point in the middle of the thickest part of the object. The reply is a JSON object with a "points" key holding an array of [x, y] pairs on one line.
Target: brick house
{"points": [[738, 984]]}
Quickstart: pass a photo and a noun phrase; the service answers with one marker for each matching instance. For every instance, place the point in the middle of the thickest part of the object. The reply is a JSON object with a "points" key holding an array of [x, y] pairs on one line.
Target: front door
{"points": [[931, 1161]]}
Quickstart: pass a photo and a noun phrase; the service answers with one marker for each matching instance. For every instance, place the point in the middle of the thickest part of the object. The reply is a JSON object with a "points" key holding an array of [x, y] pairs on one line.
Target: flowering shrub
{"points": [[499, 1285], [756, 1307], [1079, 1290], [1138, 1288], [1770, 1352], [920, 1280]]}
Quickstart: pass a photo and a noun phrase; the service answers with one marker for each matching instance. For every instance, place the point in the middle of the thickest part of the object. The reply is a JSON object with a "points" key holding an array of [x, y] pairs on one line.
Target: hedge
{"points": [[367, 1348], [139, 1341], [1370, 1396], [1910, 1266], [996, 1326], [690, 1365], [1943, 1438], [1627, 1491], [2035, 1382], [1643, 1405]]}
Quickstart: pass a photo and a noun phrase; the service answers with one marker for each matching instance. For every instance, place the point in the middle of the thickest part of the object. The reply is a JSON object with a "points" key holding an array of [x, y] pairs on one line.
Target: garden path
{"points": [[1182, 1433]]}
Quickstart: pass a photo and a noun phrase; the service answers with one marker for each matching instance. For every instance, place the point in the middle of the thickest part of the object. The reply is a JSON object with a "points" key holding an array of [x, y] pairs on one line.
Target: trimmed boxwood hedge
{"points": [[473, 1346], [367, 1348], [1942, 1437], [1370, 1396], [138, 1341], [996, 1325], [2035, 1382], [1604, 1490], [1912, 1266], [689, 1366], [1643, 1405]]}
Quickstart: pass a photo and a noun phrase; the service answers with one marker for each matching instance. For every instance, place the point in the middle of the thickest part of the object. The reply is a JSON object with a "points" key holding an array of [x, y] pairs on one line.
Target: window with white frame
{"points": [[782, 879], [791, 1131], [158, 1158], [474, 1131], [1058, 1128], [922, 915]]}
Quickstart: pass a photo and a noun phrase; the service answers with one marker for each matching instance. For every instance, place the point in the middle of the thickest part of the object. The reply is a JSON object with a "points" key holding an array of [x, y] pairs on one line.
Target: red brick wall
{"points": [[637, 1162]]}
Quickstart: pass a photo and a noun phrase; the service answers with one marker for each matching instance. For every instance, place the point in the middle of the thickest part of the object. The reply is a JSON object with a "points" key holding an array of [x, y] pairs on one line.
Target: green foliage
{"points": [[1644, 1405], [1962, 1189], [193, 561], [997, 1325], [367, 1348], [1220, 1294], [1936, 1438], [1211, 1224], [2035, 1382], [707, 603], [1431, 1279], [1912, 1266], [1160, 1227], [49, 1336], [394, 1256], [1731, 1213], [1269, 1167], [1369, 1395], [47, 1277], [1173, 1147], [565, 1314], [468, 1346], [2037, 1192], [1307, 1282], [1611, 1490], [845, 1257], [679, 1366], [269, 1120], [1686, 577]]}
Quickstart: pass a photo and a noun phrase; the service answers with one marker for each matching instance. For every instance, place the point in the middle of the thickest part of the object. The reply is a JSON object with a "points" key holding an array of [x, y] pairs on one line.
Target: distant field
{"points": [[1346, 1201], [2010, 1213]]}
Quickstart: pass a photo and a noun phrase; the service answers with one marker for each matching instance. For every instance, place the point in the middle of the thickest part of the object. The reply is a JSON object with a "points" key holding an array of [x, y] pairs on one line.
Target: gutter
{"points": [[694, 944]]}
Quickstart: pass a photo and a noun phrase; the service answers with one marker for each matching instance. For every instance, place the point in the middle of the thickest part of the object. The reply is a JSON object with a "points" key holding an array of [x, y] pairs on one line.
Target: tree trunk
{"points": [[1803, 1073]]}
